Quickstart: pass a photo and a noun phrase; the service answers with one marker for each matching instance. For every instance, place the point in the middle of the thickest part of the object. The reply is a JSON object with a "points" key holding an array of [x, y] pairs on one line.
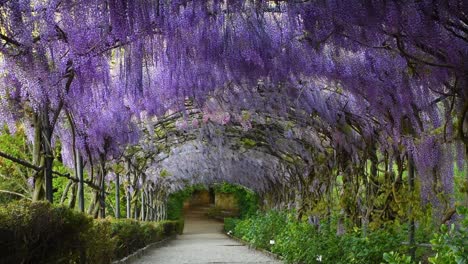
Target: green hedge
{"points": [[42, 233]]}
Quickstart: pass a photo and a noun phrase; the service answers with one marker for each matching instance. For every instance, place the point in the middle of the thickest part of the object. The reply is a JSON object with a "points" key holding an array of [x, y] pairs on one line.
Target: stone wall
{"points": [[223, 201], [200, 197], [226, 201]]}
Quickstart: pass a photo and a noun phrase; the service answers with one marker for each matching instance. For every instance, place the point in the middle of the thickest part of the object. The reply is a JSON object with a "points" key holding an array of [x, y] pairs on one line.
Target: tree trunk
{"points": [[412, 226], [65, 191], [143, 205], [164, 208], [72, 201], [78, 160], [102, 199], [129, 206], [93, 206], [151, 217], [38, 160], [48, 175], [48, 155], [127, 193], [79, 171], [135, 211], [117, 196], [102, 195], [148, 206]]}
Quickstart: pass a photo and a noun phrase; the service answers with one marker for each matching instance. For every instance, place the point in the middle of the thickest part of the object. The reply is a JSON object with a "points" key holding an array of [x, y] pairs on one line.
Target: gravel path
{"points": [[203, 242]]}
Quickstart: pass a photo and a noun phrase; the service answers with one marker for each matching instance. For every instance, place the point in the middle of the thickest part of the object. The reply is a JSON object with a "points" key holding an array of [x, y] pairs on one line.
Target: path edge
{"points": [[140, 252], [254, 248]]}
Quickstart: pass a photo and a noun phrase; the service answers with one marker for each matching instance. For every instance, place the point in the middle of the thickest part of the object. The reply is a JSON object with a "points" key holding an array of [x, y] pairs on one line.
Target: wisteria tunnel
{"points": [[337, 131]]}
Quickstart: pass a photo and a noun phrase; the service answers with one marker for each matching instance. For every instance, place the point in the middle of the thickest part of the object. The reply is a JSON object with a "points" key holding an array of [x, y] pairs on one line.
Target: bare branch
{"points": [[15, 193], [87, 182], [20, 161]]}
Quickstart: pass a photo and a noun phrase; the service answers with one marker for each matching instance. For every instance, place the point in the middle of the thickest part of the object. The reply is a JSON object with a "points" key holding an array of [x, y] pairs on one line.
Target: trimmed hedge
{"points": [[131, 235], [42, 233]]}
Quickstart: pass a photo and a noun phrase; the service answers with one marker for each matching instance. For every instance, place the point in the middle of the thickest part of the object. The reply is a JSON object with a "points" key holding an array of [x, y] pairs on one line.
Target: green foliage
{"points": [[180, 226], [230, 224], [100, 245], [13, 177], [301, 242], [248, 143], [259, 230], [175, 203], [42, 233], [171, 227], [370, 248], [451, 243], [397, 258], [111, 202], [131, 235]]}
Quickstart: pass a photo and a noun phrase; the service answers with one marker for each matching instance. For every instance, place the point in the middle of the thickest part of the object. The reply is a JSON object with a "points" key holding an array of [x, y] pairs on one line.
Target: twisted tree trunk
{"points": [[72, 200], [38, 160]]}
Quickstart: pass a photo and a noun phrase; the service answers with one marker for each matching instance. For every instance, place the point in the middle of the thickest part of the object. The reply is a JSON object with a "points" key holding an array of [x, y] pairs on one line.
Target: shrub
{"points": [[172, 227], [42, 233], [230, 224], [301, 242], [259, 230], [129, 236], [397, 258], [449, 245], [99, 243], [180, 226], [370, 248]]}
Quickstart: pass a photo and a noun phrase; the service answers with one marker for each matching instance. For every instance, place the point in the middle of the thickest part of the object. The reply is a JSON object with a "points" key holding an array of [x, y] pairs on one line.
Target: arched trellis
{"points": [[298, 156], [364, 86]]}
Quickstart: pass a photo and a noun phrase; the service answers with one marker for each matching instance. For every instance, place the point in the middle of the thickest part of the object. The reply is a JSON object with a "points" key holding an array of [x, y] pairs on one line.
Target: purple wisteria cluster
{"points": [[314, 79]]}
